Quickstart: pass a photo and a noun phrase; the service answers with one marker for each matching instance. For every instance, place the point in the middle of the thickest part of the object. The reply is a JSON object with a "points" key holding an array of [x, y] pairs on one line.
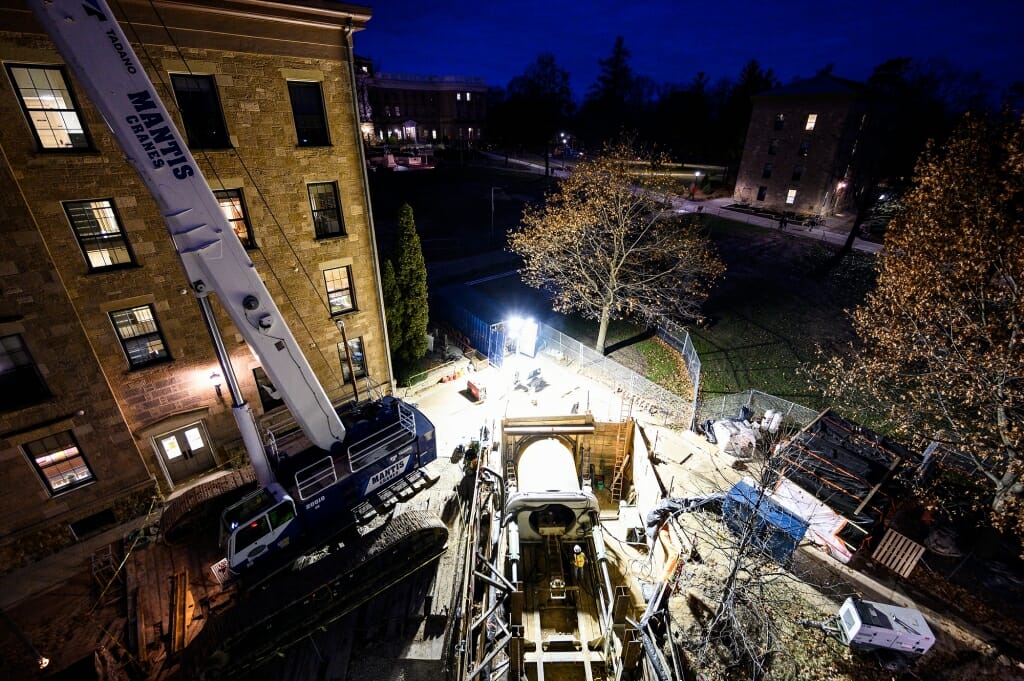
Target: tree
{"points": [[616, 99], [540, 101], [411, 277], [604, 244], [736, 107], [394, 307], [941, 335]]}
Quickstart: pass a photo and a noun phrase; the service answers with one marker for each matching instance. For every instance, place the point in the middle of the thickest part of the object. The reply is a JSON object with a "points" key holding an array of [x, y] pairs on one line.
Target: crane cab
{"points": [[258, 526]]}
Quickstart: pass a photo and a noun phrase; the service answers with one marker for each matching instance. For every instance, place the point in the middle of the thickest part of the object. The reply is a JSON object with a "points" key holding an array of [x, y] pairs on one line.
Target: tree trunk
{"points": [[602, 330]]}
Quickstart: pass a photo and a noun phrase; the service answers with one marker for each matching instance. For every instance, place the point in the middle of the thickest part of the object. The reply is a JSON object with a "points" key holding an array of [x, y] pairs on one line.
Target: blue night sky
{"points": [[670, 41]]}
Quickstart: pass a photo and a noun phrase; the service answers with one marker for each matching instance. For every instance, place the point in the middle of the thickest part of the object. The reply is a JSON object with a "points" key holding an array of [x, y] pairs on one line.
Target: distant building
{"points": [[799, 146], [109, 386], [448, 110]]}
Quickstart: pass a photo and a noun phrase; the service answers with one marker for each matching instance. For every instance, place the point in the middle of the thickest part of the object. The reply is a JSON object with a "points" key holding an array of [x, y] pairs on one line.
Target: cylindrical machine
{"points": [[547, 466]]}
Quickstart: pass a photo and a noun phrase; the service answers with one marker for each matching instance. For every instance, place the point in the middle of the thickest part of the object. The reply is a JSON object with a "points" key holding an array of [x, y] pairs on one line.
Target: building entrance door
{"points": [[186, 451]]}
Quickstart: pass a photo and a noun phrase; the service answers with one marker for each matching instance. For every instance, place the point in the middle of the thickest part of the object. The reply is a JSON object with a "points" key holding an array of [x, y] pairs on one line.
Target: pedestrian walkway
{"points": [[833, 230]]}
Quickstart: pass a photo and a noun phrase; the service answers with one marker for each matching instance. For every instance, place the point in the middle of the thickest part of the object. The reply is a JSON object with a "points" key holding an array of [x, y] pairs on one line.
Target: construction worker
{"points": [[578, 562]]}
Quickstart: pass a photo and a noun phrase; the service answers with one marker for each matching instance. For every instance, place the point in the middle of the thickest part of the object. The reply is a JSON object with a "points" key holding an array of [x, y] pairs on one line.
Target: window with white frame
{"points": [[811, 120], [338, 281], [232, 203], [790, 197], [355, 348], [139, 332], [59, 462], [100, 235], [50, 107]]}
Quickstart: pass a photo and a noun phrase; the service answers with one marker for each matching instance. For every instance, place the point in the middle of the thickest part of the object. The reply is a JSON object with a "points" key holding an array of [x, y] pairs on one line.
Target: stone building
{"points": [[109, 386], [799, 146], [448, 110]]}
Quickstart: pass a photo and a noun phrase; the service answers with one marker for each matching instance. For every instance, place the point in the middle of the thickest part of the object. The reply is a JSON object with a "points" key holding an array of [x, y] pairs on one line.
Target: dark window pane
{"points": [[200, 111], [21, 384], [762, 193], [308, 110]]}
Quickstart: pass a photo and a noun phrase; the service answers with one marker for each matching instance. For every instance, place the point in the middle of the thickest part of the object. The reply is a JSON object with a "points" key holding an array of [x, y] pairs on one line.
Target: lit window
{"points": [[50, 107], [469, 96], [59, 462], [398, 111], [140, 336], [355, 346], [99, 233], [811, 120], [200, 111], [338, 281], [433, 134], [21, 383], [780, 120], [308, 111], [766, 172], [790, 197], [327, 218], [471, 133], [233, 204], [458, 96]]}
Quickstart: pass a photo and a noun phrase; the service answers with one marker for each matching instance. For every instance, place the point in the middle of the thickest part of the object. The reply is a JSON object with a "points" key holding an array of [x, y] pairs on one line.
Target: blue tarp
{"points": [[777, 532], [475, 315]]}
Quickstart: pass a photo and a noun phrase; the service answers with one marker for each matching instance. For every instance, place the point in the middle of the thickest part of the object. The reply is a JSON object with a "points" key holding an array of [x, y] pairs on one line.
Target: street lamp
{"points": [[492, 211]]}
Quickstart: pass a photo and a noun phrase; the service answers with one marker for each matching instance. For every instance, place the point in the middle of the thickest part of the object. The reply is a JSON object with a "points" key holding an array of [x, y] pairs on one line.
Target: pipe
{"points": [[513, 550]]}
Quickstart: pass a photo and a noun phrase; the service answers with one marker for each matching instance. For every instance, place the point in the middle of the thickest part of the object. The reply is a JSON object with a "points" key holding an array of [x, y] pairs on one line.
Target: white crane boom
{"points": [[95, 48]]}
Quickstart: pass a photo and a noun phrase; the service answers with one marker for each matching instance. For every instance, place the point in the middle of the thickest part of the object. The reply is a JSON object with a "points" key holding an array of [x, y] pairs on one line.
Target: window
{"points": [[339, 289], [798, 172], [140, 336], [773, 147], [780, 119], [398, 111], [762, 192], [200, 111], [811, 120], [50, 107], [233, 204], [327, 218], [99, 233], [805, 147], [766, 172], [59, 462], [355, 346], [308, 110], [790, 197], [469, 96], [458, 96], [21, 384], [387, 111]]}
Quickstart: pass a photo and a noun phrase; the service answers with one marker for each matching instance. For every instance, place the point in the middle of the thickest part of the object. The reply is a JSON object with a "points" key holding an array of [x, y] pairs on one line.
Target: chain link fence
{"points": [[728, 406], [662, 406]]}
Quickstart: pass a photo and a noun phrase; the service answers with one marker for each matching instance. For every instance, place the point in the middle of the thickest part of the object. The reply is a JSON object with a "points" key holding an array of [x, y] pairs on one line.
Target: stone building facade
{"points": [[111, 387], [449, 110], [799, 146]]}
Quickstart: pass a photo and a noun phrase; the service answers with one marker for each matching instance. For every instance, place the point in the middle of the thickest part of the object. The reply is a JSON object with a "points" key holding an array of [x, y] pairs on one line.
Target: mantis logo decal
{"points": [[386, 475]]}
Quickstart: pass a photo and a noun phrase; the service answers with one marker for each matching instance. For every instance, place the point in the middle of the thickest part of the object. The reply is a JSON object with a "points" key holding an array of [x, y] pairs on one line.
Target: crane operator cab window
{"points": [[255, 536]]}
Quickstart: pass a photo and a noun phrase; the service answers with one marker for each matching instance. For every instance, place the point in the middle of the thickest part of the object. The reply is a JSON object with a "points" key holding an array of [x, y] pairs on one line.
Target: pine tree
{"points": [[394, 309], [411, 277]]}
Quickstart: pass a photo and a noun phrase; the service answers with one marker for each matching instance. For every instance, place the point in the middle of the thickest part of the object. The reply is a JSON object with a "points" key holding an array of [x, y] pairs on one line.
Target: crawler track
{"points": [[295, 602]]}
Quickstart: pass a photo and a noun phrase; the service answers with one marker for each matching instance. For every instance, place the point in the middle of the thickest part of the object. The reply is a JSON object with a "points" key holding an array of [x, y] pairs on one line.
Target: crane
{"points": [[312, 483]]}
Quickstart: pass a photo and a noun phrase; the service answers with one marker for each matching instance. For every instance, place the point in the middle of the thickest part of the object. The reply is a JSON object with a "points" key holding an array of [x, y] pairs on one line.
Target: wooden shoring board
{"points": [[898, 553]]}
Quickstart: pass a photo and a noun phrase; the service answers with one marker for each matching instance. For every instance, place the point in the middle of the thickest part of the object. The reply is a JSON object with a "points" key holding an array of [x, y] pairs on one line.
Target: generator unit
{"points": [[876, 626]]}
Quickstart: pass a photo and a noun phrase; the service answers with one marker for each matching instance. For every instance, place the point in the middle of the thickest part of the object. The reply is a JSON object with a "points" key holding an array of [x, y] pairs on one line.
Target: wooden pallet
{"points": [[898, 553]]}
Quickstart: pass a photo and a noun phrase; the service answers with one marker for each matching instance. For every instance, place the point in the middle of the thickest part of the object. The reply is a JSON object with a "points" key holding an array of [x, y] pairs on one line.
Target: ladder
{"points": [[621, 449], [556, 575]]}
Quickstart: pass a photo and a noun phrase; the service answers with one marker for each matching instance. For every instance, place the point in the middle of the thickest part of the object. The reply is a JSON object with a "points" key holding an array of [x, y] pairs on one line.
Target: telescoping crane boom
{"points": [[341, 468]]}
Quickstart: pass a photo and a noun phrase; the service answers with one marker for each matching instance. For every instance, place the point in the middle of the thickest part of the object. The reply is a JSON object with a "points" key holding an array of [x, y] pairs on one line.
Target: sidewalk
{"points": [[833, 229]]}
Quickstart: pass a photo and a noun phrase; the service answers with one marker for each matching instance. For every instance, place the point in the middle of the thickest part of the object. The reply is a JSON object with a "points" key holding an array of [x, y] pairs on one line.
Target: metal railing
{"points": [[371, 448], [728, 406], [315, 478]]}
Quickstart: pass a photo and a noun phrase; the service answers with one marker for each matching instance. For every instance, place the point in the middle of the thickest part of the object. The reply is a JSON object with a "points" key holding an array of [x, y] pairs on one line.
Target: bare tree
{"points": [[606, 245]]}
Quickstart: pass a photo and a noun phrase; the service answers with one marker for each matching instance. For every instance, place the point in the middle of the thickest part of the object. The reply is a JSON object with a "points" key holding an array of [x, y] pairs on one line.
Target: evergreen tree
{"points": [[411, 277], [394, 308]]}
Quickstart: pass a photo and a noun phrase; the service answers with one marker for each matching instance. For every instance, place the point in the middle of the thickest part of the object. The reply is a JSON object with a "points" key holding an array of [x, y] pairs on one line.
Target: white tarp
{"points": [[823, 523]]}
